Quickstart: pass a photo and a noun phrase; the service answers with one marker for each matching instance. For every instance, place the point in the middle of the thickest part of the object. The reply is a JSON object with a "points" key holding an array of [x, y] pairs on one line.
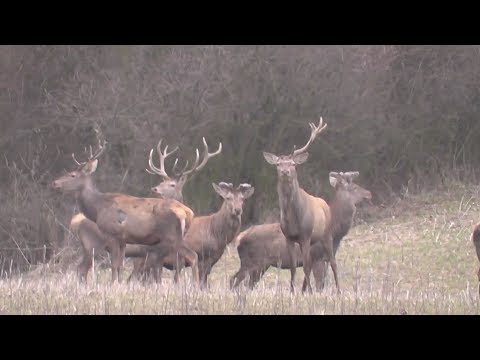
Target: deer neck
{"points": [[343, 210], [291, 199], [88, 199], [224, 226]]}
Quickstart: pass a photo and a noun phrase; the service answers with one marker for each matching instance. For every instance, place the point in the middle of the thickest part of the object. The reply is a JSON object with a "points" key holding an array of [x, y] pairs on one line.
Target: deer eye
{"points": [[172, 185], [72, 175]]}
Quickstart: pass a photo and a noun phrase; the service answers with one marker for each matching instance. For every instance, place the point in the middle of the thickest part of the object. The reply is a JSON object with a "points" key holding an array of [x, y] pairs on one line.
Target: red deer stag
{"points": [[262, 246], [304, 218], [209, 235], [171, 187], [476, 242], [125, 219]]}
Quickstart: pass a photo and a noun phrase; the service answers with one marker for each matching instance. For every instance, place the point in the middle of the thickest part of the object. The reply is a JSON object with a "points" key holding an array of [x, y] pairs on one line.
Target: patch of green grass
{"points": [[416, 257]]}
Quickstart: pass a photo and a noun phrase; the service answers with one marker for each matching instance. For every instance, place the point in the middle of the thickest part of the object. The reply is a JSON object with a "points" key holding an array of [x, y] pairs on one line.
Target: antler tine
{"points": [[315, 131], [197, 158], [77, 162], [175, 165], [159, 171], [181, 172], [207, 156], [351, 175]]}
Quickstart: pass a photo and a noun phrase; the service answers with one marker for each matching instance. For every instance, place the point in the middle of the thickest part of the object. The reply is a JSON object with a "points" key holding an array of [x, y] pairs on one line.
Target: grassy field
{"points": [[415, 257]]}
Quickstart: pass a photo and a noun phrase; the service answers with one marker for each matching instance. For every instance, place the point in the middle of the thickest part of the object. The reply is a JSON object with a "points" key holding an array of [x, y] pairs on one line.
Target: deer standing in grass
{"points": [[476, 242], [122, 219], [262, 246], [171, 187], [304, 218], [209, 235]]}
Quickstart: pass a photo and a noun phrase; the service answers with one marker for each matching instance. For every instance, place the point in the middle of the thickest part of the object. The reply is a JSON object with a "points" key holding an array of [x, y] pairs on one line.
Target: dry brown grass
{"points": [[415, 258]]}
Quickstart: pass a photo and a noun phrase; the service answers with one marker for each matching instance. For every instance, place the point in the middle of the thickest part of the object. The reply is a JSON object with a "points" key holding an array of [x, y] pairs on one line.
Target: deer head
{"points": [[344, 185], [286, 163], [75, 180], [172, 186], [234, 198]]}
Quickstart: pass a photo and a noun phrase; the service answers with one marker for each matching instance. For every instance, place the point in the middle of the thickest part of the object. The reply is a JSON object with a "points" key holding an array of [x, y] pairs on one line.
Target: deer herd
{"points": [[162, 231]]}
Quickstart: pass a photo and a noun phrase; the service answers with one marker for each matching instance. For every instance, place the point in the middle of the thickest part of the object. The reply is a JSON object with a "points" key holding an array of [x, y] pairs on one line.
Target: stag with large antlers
{"points": [[172, 186], [304, 218], [122, 219]]}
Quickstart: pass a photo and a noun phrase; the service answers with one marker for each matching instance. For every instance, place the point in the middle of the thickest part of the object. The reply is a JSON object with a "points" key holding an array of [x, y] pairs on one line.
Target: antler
{"points": [[315, 130], [349, 176], [101, 147], [206, 156], [162, 156]]}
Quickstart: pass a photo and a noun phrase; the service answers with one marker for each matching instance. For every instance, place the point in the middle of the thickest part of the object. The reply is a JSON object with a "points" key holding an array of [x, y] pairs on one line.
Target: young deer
{"points": [[171, 187], [125, 219], [262, 246], [209, 235], [304, 218]]}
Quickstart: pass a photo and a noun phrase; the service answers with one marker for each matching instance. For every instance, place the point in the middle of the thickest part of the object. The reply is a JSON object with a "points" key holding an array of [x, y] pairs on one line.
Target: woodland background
{"points": [[405, 117]]}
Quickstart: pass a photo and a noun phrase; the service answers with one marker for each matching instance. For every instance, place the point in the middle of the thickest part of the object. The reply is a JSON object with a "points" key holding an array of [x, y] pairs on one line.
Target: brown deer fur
{"points": [[476, 242], [303, 217], [209, 235], [127, 219], [262, 246]]}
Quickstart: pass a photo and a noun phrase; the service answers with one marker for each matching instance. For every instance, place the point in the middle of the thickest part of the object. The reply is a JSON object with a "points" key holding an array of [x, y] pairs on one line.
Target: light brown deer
{"points": [[262, 246], [304, 218], [125, 219], [209, 235], [171, 187], [476, 242]]}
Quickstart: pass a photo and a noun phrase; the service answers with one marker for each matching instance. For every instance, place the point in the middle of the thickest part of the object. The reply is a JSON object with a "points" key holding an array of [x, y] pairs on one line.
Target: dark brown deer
{"points": [[127, 219], [262, 246], [171, 187], [304, 218], [209, 235], [476, 242]]}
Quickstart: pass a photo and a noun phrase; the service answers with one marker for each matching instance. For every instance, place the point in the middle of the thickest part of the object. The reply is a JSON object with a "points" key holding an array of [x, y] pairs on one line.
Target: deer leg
{"points": [[120, 261], [293, 263], [238, 278], [478, 275], [115, 255], [138, 268], [307, 265], [333, 265], [192, 258], [318, 270], [85, 264], [207, 268], [255, 277]]}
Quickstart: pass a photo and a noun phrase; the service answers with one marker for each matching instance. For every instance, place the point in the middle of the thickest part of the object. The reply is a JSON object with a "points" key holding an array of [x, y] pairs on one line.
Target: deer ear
{"points": [[270, 158], [333, 179], [220, 190], [90, 167], [300, 158], [247, 190]]}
